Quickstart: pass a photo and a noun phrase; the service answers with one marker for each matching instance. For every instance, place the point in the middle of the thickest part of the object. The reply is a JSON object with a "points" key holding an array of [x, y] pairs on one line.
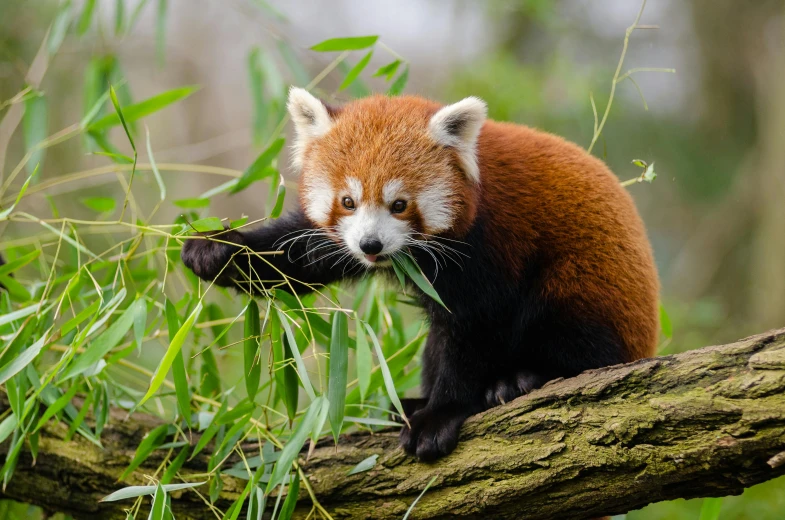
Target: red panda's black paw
{"points": [[433, 433], [208, 255]]}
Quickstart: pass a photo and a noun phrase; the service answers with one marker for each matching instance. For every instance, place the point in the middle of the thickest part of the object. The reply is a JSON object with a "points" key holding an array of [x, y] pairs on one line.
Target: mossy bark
{"points": [[709, 422]]}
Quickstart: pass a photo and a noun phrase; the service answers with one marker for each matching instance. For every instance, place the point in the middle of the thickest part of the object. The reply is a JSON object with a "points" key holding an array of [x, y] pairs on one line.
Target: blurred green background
{"points": [[715, 129]]}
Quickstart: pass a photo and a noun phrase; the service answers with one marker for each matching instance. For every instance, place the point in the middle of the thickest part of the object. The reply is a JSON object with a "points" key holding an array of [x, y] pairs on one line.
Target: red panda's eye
{"points": [[398, 206], [348, 203]]}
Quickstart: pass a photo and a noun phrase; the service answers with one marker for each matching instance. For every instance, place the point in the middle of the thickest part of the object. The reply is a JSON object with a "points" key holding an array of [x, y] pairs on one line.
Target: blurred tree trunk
{"points": [[742, 95]]}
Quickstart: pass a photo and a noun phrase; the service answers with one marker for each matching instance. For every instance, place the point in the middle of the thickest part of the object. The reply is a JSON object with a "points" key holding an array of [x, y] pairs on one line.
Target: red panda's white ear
{"points": [[311, 120], [458, 126]]}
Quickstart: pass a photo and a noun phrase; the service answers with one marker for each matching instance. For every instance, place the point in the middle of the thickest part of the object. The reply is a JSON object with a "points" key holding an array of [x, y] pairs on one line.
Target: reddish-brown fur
{"points": [[537, 192]]}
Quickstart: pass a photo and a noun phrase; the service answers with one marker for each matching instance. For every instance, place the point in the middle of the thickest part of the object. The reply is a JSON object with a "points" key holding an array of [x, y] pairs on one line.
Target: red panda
{"points": [[536, 250]]}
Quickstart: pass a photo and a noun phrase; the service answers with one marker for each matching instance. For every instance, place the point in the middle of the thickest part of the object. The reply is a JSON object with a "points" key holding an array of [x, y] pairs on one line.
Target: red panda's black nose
{"points": [[371, 246]]}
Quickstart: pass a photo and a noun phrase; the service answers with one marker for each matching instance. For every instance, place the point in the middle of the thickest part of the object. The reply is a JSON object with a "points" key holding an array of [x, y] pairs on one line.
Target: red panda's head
{"points": [[381, 172]]}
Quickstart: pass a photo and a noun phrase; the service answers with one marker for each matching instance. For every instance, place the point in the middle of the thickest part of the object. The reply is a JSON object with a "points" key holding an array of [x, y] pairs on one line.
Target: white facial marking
{"points": [[355, 189], [311, 121], [392, 191], [435, 209], [370, 221], [319, 195], [458, 126]]}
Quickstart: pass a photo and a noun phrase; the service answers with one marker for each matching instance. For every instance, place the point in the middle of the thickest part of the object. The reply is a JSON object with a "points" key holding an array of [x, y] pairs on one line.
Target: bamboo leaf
{"points": [[159, 504], [364, 465], [150, 442], [207, 224], [27, 356], [295, 444], [136, 111], [175, 466], [400, 82], [99, 204], [85, 18], [22, 190], [153, 166], [711, 508], [388, 71], [35, 126], [291, 498], [58, 405], [364, 361], [411, 507], [140, 491], [298, 359], [174, 348], [192, 203], [59, 28], [354, 43], [251, 348], [415, 274], [339, 361], [182, 390], [106, 341], [280, 195], [259, 168], [355, 72], [389, 384]]}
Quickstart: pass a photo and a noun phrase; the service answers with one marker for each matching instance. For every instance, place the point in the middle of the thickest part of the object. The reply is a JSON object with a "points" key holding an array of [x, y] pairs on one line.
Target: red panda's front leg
{"points": [[305, 257]]}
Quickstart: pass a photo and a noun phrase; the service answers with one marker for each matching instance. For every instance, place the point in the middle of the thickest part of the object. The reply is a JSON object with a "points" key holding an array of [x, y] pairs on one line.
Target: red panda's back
{"points": [[543, 195]]}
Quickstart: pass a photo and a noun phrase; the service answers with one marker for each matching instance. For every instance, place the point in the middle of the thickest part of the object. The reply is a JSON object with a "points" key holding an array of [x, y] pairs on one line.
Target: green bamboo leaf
{"points": [[119, 112], [411, 507], [298, 359], [207, 224], [356, 71], [291, 498], [400, 82], [18, 314], [354, 43], [339, 361], [27, 356], [174, 348], [106, 341], [192, 203], [259, 168], [389, 384], [159, 499], [140, 491], [175, 465], [242, 408], [181, 388], [160, 31], [15, 289], [320, 420], [400, 274], [140, 323], [136, 111], [415, 274], [99, 204], [153, 166], [119, 17], [280, 195], [711, 508], [8, 426], [388, 71], [256, 86], [251, 349], [150, 442], [295, 444], [58, 405], [291, 380], [77, 422], [364, 361], [86, 17], [665, 323], [7, 211], [206, 437], [59, 28], [301, 76], [117, 158], [35, 126], [364, 465]]}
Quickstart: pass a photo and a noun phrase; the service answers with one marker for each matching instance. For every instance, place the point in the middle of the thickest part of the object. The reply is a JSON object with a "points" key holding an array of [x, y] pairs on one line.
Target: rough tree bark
{"points": [[709, 422]]}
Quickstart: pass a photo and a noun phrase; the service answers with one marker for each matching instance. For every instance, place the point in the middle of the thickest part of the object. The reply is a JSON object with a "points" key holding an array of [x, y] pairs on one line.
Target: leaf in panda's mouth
{"points": [[404, 266]]}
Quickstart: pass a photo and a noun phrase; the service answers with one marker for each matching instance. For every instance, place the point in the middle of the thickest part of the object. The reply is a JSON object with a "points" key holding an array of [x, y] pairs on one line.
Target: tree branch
{"points": [[709, 422]]}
